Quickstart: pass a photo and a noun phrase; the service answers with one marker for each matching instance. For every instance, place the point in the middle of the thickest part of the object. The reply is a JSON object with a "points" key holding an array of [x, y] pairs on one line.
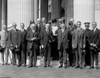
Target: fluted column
{"points": [[68, 10], [55, 9], [0, 13], [20, 11], [4, 12], [35, 10], [84, 10], [44, 9]]}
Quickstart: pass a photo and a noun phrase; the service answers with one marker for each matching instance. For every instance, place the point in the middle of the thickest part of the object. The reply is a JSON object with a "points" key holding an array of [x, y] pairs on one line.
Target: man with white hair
{"points": [[32, 44], [63, 39]]}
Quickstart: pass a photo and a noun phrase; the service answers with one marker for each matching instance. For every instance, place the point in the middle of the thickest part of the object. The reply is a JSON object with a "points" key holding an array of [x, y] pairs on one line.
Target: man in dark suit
{"points": [[95, 43], [23, 44], [78, 43], [46, 40], [63, 39], [15, 42], [87, 34], [32, 44]]}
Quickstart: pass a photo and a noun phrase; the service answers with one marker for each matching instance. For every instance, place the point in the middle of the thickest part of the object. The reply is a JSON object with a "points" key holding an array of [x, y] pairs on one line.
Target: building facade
{"points": [[25, 10]]}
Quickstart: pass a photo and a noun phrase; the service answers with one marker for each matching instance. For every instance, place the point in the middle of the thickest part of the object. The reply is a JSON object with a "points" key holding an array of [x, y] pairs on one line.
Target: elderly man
{"points": [[15, 42], [95, 43], [32, 43], [63, 38], [3, 41]]}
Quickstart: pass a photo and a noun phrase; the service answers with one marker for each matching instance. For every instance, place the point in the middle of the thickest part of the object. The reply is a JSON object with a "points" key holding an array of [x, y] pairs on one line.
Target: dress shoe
{"points": [[49, 66], [24, 65], [45, 66], [18, 65], [30, 66], [60, 66], [76, 66], [35, 66]]}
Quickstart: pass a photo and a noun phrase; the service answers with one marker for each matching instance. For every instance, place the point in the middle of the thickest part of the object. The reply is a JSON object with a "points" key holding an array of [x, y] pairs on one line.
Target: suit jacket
{"points": [[87, 34], [63, 39], [23, 36], [46, 37], [78, 38], [15, 38], [95, 37], [3, 38], [30, 43]]}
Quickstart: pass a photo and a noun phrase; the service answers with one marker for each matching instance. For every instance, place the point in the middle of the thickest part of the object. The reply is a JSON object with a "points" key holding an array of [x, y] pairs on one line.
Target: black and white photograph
{"points": [[49, 38]]}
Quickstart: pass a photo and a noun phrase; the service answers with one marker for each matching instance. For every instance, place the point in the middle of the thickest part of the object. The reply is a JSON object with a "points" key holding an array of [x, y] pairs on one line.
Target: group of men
{"points": [[76, 47]]}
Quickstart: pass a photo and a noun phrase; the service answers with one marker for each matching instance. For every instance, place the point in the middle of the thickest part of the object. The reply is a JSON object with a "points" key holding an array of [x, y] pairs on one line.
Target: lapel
{"points": [[63, 34]]}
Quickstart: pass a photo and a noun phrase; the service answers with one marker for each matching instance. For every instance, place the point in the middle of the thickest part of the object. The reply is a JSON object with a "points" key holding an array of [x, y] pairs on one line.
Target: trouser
{"points": [[2, 53], [87, 57], [72, 58], [23, 54], [33, 57], [15, 57], [47, 55], [80, 57], [6, 55], [63, 56], [94, 58]]}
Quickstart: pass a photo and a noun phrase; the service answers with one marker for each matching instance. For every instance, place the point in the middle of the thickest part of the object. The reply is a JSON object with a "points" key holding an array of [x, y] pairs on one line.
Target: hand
{"points": [[83, 46], [91, 44], [16, 46], [33, 38], [42, 46]]}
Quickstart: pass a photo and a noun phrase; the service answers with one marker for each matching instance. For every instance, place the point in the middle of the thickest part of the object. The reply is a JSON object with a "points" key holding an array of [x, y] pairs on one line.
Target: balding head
{"points": [[43, 20], [94, 25], [78, 24], [4, 27], [33, 26], [14, 25], [62, 26], [22, 25], [38, 21]]}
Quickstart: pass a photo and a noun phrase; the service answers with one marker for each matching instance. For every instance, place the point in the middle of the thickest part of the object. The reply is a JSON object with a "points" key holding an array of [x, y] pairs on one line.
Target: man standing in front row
{"points": [[23, 33], [46, 39], [87, 41], [15, 42], [3, 42], [63, 38], [95, 43], [78, 43], [32, 44]]}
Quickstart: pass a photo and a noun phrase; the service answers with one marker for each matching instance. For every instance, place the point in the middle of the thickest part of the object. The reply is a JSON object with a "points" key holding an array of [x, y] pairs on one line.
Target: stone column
{"points": [[0, 13], [84, 11], [35, 10], [44, 9], [55, 9], [68, 10], [20, 11], [4, 12]]}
